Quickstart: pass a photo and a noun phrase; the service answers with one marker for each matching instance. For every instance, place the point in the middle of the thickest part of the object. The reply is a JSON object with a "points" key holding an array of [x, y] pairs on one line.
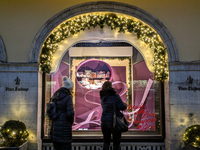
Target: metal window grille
{"points": [[99, 146]]}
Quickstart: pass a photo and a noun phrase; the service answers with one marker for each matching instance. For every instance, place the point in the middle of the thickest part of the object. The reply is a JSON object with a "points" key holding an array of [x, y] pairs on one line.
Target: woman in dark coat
{"points": [[108, 97], [61, 130]]}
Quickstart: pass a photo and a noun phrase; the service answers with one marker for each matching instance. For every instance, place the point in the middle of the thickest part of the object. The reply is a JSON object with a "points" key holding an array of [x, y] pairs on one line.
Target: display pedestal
{"points": [[189, 147], [22, 147]]}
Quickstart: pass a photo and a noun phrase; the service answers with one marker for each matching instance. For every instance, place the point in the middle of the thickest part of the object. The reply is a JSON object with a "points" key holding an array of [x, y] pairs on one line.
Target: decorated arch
{"points": [[123, 19]]}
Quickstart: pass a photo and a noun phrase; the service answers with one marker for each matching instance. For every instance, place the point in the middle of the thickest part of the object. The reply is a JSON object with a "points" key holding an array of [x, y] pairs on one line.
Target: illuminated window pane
{"points": [[89, 66]]}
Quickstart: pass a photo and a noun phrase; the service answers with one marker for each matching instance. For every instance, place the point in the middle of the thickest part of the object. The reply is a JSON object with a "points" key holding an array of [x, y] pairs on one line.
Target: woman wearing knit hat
{"points": [[61, 130]]}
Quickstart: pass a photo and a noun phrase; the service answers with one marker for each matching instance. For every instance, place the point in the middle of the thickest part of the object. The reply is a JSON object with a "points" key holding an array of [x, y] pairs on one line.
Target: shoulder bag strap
{"points": [[114, 106], [114, 115]]}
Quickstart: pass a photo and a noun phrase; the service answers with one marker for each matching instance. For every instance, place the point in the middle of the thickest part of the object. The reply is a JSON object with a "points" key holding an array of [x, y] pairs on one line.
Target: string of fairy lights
{"points": [[116, 22], [13, 133], [192, 135]]}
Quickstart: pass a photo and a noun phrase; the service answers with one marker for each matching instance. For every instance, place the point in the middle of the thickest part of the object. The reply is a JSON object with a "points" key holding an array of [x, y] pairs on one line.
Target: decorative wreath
{"points": [[192, 135]]}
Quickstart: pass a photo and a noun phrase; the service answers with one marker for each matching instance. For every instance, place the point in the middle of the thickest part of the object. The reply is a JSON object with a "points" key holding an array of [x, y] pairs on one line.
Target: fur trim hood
{"points": [[60, 94]]}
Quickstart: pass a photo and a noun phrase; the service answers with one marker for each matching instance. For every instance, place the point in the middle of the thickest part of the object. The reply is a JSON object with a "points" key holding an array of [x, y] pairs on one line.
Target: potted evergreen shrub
{"points": [[192, 137], [14, 135]]}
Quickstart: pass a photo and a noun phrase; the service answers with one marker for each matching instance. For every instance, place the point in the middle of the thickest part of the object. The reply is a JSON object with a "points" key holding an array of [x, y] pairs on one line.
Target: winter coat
{"points": [[61, 130], [108, 97]]}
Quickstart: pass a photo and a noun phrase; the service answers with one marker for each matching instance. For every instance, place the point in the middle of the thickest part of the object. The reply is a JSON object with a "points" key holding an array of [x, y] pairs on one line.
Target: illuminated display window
{"points": [[92, 73], [89, 66]]}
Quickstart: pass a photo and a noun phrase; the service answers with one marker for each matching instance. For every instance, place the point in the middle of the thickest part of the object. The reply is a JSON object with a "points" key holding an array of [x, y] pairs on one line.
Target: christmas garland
{"points": [[115, 22], [13, 133]]}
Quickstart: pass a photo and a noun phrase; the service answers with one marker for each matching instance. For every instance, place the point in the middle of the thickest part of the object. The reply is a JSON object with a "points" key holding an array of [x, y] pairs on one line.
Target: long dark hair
{"points": [[106, 85]]}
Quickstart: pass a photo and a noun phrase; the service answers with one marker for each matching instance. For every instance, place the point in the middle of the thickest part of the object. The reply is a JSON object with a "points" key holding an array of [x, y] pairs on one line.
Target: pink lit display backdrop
{"points": [[141, 74], [56, 78], [87, 101], [88, 104]]}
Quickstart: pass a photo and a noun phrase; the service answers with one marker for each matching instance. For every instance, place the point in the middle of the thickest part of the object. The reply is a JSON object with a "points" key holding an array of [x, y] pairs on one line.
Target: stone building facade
{"points": [[21, 83]]}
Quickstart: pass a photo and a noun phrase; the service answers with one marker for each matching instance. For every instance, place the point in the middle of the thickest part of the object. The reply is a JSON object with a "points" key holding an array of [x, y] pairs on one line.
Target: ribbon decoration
{"points": [[97, 121]]}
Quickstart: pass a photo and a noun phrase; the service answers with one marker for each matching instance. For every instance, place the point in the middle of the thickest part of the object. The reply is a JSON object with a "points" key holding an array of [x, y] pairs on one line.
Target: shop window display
{"points": [[131, 79], [87, 100], [92, 73]]}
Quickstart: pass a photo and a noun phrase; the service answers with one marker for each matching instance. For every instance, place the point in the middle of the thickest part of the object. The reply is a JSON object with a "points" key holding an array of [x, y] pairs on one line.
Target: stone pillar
{"points": [[21, 98], [182, 106]]}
